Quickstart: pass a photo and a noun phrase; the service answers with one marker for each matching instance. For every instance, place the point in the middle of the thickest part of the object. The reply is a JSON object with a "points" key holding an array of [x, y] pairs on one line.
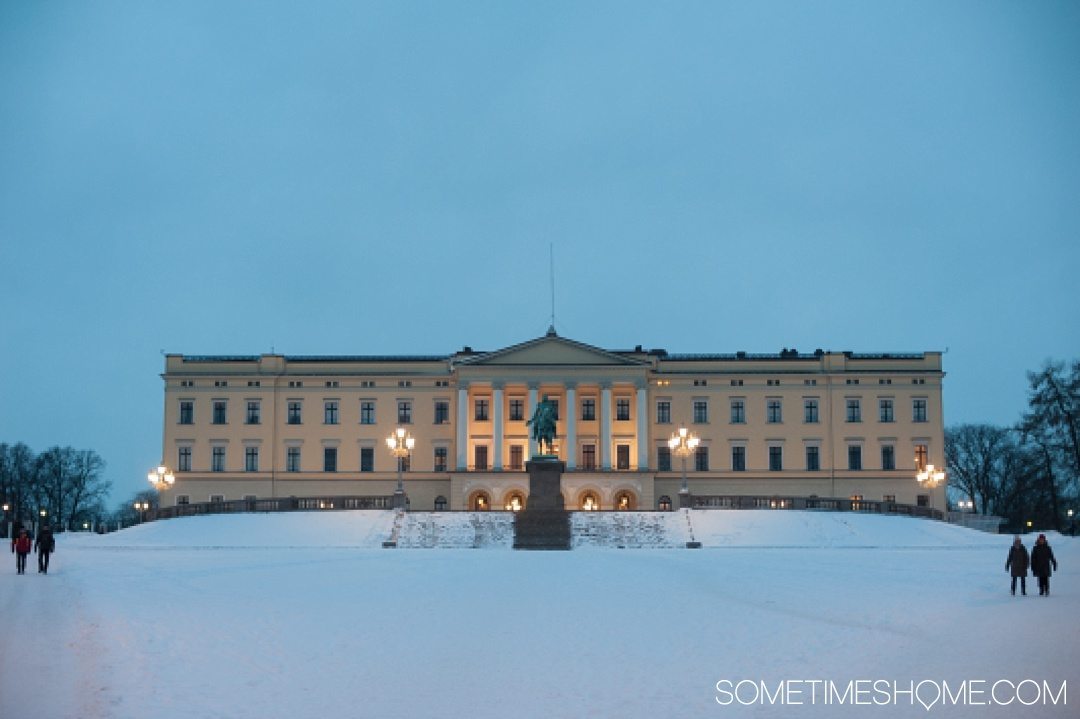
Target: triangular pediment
{"points": [[553, 351]]}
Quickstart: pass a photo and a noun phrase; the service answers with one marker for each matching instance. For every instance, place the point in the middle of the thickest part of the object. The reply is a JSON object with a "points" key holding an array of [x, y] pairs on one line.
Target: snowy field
{"points": [[306, 615]]}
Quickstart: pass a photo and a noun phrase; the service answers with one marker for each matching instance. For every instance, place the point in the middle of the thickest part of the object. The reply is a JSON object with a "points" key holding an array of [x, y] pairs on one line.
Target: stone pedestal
{"points": [[544, 523]]}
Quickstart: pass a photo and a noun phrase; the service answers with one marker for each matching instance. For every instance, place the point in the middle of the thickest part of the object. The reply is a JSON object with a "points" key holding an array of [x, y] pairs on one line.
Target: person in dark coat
{"points": [[44, 546], [1017, 563], [20, 547], [1042, 559]]}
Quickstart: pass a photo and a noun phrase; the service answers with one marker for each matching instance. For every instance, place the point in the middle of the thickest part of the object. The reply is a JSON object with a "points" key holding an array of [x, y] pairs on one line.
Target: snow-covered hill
{"points": [[494, 530], [306, 615]]}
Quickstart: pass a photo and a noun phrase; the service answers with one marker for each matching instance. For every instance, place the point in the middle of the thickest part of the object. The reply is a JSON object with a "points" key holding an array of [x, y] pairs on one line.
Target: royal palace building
{"points": [[826, 424]]}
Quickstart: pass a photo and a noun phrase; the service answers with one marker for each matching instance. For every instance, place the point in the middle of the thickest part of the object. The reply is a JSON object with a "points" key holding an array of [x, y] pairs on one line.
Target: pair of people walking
{"points": [[44, 545], [1042, 563]]}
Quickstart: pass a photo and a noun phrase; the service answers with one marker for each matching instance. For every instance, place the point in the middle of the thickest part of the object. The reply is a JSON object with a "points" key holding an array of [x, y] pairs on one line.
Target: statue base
{"points": [[544, 523]]}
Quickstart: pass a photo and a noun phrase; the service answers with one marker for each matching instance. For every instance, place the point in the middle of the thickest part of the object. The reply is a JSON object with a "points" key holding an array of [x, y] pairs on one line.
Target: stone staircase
{"points": [[629, 530], [456, 530]]}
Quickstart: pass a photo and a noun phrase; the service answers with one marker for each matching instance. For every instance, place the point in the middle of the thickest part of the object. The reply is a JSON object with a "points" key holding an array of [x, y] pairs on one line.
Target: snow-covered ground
{"points": [[306, 615]]}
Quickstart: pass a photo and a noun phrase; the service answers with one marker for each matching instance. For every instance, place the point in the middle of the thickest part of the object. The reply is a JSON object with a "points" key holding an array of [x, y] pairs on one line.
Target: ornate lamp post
{"points": [[930, 478], [7, 522], [161, 477], [683, 443], [400, 444]]}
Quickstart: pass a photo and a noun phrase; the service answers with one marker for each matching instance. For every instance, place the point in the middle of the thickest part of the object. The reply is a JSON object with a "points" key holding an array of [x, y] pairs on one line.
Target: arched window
{"points": [[515, 502], [590, 502], [440, 503], [625, 501], [665, 503], [481, 502]]}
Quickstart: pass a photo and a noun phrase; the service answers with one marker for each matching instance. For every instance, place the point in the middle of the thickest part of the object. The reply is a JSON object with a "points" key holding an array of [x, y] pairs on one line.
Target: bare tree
{"points": [[19, 481], [976, 455]]}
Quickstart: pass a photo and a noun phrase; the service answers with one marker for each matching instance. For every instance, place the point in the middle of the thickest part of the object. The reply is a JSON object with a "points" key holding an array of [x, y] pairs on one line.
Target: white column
{"points": [[528, 415], [642, 428], [571, 426], [497, 417], [605, 426], [462, 427]]}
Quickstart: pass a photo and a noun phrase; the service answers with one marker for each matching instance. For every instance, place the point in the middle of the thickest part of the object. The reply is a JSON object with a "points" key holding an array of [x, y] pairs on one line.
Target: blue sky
{"points": [[368, 178]]}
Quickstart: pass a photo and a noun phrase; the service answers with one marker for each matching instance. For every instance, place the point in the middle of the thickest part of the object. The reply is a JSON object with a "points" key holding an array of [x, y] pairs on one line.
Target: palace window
{"points": [[588, 409], [813, 459], [701, 459], [854, 457], [292, 459], [442, 411], [776, 458], [622, 409], [885, 410], [854, 410], [187, 411], [251, 459], [220, 406], [701, 411], [367, 459], [663, 411], [738, 459], [404, 411], [588, 456], [480, 409], [183, 459], [330, 412], [663, 459], [517, 457], [440, 459], [252, 416], [294, 413], [440, 503], [480, 457], [920, 457], [367, 411], [774, 411], [329, 459], [810, 411], [517, 409], [664, 503], [622, 456], [888, 457], [738, 411], [217, 459], [918, 410]]}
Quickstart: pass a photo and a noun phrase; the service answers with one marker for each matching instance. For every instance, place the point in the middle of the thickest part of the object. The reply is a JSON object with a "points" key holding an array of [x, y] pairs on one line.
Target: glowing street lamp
{"points": [[401, 444], [161, 477], [683, 443], [142, 508], [930, 478]]}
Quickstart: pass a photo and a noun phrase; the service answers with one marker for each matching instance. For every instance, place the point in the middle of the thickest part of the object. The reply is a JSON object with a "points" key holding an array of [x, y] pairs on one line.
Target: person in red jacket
{"points": [[20, 547]]}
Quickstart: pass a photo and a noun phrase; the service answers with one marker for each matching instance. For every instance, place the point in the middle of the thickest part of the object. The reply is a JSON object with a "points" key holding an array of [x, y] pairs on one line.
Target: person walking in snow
{"points": [[1042, 559], [44, 545], [20, 547], [1017, 562]]}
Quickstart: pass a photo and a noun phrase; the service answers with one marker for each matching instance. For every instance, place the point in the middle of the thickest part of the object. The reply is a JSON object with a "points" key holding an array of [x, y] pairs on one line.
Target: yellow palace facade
{"points": [[824, 424]]}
